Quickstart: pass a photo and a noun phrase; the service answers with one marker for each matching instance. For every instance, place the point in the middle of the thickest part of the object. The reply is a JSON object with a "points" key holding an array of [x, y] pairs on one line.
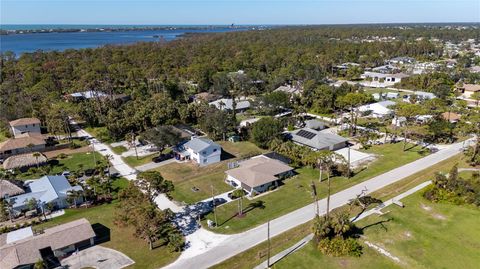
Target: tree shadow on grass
{"points": [[257, 204], [381, 223]]}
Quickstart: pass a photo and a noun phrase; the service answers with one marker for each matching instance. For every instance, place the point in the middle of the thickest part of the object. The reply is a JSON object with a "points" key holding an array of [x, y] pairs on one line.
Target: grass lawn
{"points": [[72, 162], [421, 235], [185, 176], [119, 149], [255, 255], [134, 162], [3, 137], [121, 238], [101, 133], [295, 193]]}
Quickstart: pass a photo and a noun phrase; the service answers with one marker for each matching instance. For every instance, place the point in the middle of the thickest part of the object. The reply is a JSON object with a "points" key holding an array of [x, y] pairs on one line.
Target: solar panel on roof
{"points": [[306, 134]]}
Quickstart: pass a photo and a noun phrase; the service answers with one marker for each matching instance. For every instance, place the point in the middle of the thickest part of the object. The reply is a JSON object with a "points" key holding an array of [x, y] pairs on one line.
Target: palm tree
{"points": [[239, 193], [36, 155]]}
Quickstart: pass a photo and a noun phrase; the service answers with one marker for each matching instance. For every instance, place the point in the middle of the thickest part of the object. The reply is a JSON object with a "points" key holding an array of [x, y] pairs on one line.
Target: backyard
{"points": [[72, 162], [194, 183], [298, 191], [121, 238], [133, 161]]}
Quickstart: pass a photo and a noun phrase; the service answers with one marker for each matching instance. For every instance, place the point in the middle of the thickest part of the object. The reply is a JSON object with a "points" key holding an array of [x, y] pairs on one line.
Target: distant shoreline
{"points": [[122, 28]]}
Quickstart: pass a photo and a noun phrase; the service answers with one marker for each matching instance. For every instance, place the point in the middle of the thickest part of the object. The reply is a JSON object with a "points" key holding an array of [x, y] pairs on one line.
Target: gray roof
{"points": [[315, 124], [45, 189], [316, 139], [198, 144], [225, 103]]}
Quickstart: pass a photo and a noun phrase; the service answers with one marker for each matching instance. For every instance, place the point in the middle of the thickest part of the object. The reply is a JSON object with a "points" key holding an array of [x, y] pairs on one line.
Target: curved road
{"points": [[235, 244]]}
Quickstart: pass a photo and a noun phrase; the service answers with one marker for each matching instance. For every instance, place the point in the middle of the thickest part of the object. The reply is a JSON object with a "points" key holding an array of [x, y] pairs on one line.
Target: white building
{"points": [[25, 125], [200, 150], [241, 105], [379, 109], [381, 79]]}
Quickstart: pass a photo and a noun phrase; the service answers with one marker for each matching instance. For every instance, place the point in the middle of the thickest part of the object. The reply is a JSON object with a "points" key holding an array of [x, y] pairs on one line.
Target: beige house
{"points": [[23, 143], [258, 174], [23, 248], [467, 90], [25, 125]]}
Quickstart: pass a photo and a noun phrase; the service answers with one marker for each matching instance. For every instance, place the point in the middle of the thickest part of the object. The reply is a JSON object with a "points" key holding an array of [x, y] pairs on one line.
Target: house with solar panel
{"points": [[318, 140]]}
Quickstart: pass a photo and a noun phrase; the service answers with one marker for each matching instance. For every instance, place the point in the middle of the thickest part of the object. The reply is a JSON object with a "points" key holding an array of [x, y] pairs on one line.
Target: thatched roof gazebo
{"points": [[23, 161], [7, 188]]}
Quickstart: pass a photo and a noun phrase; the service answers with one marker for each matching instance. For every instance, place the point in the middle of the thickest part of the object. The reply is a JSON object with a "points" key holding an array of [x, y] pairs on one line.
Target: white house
{"points": [[379, 109], [241, 105], [381, 79], [200, 150], [25, 125], [258, 174]]}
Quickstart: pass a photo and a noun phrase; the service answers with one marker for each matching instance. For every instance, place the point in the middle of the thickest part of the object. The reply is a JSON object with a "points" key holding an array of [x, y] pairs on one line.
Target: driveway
{"points": [[97, 257], [237, 243], [153, 165]]}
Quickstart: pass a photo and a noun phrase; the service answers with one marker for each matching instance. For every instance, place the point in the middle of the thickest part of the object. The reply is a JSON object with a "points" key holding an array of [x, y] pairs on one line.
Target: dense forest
{"points": [[161, 77]]}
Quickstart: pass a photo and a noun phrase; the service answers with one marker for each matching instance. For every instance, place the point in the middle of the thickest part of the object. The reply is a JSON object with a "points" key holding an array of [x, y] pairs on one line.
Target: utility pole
{"points": [[214, 211], [348, 161], [93, 153], [315, 200], [268, 240]]}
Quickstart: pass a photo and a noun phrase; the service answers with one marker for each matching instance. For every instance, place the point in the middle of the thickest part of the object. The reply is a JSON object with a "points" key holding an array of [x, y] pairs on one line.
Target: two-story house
{"points": [[25, 125], [200, 150]]}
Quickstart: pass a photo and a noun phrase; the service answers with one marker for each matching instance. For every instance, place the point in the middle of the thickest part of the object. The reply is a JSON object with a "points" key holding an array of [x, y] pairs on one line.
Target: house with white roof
{"points": [[379, 109], [48, 189], [242, 104], [200, 150], [381, 79]]}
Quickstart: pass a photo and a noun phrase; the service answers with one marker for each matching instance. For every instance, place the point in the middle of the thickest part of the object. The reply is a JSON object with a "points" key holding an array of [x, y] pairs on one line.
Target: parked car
{"points": [[66, 173]]}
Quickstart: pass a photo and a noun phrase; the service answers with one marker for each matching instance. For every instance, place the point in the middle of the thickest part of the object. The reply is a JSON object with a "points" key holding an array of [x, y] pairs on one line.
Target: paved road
{"points": [[238, 243]]}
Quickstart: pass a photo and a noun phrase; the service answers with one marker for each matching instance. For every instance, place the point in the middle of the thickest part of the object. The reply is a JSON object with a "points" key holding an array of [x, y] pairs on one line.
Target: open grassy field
{"points": [[100, 133], [254, 256], [72, 162], [295, 192], [185, 176], [421, 235], [121, 238]]}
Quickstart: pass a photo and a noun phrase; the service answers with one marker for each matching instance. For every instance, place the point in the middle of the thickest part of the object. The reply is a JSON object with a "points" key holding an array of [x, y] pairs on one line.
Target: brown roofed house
{"points": [[451, 116], [468, 90], [258, 174], [22, 248], [24, 143]]}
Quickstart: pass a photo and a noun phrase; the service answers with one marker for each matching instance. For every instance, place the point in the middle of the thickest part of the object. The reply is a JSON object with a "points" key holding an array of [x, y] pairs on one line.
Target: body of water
{"points": [[30, 42]]}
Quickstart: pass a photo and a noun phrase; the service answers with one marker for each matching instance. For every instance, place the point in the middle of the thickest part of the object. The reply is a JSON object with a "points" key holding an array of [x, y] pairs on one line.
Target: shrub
{"points": [[338, 246], [62, 156]]}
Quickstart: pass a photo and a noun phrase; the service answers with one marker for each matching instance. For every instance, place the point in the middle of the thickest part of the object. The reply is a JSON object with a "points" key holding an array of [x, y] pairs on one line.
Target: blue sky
{"points": [[236, 11]]}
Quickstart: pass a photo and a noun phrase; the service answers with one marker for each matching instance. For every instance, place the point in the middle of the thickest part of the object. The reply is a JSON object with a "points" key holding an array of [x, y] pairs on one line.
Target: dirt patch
{"points": [[407, 235], [54, 153], [426, 208], [343, 263], [439, 216]]}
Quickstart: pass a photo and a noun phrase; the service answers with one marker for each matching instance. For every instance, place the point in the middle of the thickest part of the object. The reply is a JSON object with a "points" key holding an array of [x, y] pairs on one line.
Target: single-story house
{"points": [[451, 116], [383, 96], [421, 96], [242, 104], [205, 96], [48, 189], [86, 95], [25, 125], [23, 248], [399, 121], [27, 142], [467, 90], [295, 89], [24, 161], [402, 60], [378, 109], [200, 150], [318, 140], [385, 79], [315, 124], [8, 189], [258, 174]]}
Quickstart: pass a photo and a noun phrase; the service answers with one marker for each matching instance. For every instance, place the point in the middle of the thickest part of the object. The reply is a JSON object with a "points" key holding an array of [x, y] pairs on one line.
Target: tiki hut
{"points": [[25, 161], [8, 189]]}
